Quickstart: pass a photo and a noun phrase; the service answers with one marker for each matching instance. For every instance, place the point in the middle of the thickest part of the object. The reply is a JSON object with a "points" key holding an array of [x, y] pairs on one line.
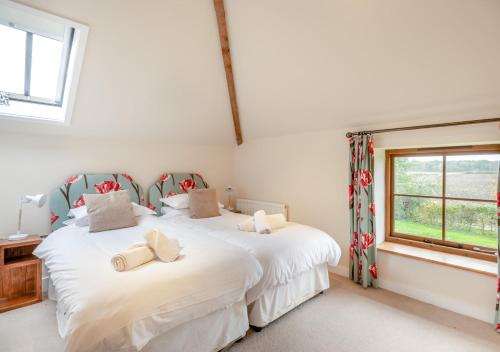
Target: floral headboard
{"points": [[70, 194], [172, 184]]}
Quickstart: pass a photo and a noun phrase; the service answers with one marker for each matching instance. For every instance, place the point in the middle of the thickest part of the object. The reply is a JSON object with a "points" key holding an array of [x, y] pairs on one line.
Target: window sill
{"points": [[452, 260]]}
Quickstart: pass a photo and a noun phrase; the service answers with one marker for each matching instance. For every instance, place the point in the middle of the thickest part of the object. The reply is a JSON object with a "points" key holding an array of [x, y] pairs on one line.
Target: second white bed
{"points": [[294, 260]]}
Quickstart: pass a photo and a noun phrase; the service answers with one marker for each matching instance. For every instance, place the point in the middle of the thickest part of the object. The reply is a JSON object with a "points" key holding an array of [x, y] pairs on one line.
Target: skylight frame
{"points": [[59, 111]]}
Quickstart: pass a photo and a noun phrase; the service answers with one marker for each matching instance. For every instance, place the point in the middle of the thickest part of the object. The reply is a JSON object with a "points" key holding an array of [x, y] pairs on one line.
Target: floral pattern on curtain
{"points": [[362, 249], [497, 317]]}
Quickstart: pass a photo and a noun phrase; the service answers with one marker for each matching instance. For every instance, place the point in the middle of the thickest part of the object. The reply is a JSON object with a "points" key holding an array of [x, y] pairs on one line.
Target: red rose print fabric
{"points": [[73, 179], [79, 202], [107, 186], [497, 316], [164, 177], [53, 218], [70, 194], [362, 250], [187, 184]]}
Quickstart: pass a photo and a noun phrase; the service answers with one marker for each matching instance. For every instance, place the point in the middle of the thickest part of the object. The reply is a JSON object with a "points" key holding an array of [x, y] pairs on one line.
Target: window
{"points": [[444, 198], [34, 68], [40, 63]]}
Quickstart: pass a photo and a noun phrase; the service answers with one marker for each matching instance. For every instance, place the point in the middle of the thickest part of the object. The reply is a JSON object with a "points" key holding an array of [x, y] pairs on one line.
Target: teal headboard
{"points": [[171, 184], [70, 194]]}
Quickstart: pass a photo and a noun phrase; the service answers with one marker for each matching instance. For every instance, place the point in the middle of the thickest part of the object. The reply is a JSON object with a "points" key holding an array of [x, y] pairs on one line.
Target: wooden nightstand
{"points": [[20, 273]]}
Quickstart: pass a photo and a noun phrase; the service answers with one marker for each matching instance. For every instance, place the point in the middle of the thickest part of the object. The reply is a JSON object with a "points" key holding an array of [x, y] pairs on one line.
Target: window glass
{"points": [[12, 60], [419, 175], [464, 216], [473, 223], [45, 65], [418, 216], [472, 176]]}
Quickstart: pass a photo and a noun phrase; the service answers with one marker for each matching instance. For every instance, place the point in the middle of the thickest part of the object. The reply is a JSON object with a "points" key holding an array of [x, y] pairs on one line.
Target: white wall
{"points": [[309, 173], [32, 165]]}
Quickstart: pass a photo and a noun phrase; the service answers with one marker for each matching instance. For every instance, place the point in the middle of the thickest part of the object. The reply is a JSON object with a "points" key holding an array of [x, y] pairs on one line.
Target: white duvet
{"points": [[99, 308], [283, 254]]}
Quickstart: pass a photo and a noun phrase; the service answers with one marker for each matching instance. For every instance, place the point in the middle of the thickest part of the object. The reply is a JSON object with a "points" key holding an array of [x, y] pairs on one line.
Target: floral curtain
{"points": [[362, 250], [497, 318]]}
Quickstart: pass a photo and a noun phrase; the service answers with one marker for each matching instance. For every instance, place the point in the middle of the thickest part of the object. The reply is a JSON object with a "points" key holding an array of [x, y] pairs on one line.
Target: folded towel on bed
{"points": [[262, 225], [132, 257], [277, 221], [248, 225], [166, 250]]}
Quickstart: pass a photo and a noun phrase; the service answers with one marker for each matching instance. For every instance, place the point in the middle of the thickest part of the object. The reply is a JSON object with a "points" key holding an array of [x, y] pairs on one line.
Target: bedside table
{"points": [[20, 273]]}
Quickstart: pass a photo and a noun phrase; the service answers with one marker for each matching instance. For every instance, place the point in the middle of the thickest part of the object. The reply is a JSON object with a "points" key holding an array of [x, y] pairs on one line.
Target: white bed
{"points": [[196, 303], [294, 259]]}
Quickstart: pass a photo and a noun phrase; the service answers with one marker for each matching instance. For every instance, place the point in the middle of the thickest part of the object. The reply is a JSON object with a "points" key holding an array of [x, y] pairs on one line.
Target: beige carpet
{"points": [[345, 318]]}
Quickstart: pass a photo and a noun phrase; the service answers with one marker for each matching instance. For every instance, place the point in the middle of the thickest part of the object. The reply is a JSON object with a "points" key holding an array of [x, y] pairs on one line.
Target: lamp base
{"points": [[17, 237]]}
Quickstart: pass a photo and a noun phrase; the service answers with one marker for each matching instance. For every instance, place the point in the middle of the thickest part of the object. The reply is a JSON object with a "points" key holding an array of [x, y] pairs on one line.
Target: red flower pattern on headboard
{"points": [[107, 186], [187, 185]]}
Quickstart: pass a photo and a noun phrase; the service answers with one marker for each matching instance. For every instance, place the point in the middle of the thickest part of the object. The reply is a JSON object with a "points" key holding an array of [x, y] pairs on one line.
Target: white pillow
{"points": [[169, 212], [142, 210], [78, 212], [179, 201], [70, 221]]}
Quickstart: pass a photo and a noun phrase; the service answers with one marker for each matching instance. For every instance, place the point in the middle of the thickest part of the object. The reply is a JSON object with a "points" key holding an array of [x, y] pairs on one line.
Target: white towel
{"points": [[277, 221], [262, 226], [248, 225], [166, 250], [134, 256]]}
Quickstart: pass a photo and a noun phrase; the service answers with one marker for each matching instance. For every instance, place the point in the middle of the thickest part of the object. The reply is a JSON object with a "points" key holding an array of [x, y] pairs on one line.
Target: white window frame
{"points": [[21, 108]]}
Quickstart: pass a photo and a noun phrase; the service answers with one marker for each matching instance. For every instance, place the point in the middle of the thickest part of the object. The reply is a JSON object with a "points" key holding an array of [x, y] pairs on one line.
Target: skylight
{"points": [[40, 63]]}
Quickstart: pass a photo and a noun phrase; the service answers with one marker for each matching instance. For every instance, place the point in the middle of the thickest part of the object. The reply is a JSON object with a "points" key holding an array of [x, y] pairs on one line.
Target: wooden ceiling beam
{"points": [[226, 56]]}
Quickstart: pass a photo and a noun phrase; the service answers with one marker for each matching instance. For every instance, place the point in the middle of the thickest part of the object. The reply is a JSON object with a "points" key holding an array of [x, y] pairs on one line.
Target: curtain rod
{"points": [[445, 124]]}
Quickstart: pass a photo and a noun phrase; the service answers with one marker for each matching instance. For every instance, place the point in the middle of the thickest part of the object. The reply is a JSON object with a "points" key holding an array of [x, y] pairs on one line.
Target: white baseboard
{"points": [[438, 300], [426, 296]]}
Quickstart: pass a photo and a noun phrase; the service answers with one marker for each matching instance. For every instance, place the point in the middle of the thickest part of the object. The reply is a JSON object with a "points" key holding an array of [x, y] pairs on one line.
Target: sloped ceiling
{"points": [[153, 69], [311, 65]]}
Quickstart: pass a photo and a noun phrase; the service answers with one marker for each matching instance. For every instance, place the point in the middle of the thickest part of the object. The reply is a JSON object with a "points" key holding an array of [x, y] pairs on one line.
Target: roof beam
{"points": [[226, 56]]}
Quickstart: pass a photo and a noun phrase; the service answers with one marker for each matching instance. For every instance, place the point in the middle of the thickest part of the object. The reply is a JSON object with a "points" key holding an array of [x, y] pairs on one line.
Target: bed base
{"points": [[217, 331], [279, 300]]}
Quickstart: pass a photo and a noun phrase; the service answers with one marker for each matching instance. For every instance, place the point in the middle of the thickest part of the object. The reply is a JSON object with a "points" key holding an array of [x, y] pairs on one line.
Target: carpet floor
{"points": [[345, 318]]}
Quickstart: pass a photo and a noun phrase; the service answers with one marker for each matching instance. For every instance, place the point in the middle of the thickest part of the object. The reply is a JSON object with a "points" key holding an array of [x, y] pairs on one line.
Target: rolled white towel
{"points": [[277, 221], [166, 250], [248, 225], [262, 225], [134, 256]]}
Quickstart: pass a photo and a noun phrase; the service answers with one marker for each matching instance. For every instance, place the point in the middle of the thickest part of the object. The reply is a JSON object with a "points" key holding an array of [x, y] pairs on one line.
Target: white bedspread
{"points": [[283, 254], [98, 303]]}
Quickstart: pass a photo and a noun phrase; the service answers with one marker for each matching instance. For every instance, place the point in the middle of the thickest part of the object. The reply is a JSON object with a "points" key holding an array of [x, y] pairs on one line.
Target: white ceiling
{"points": [[312, 65], [153, 69]]}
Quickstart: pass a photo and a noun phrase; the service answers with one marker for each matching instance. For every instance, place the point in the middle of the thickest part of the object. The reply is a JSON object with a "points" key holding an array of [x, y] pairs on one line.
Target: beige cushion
{"points": [[203, 203], [109, 211]]}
